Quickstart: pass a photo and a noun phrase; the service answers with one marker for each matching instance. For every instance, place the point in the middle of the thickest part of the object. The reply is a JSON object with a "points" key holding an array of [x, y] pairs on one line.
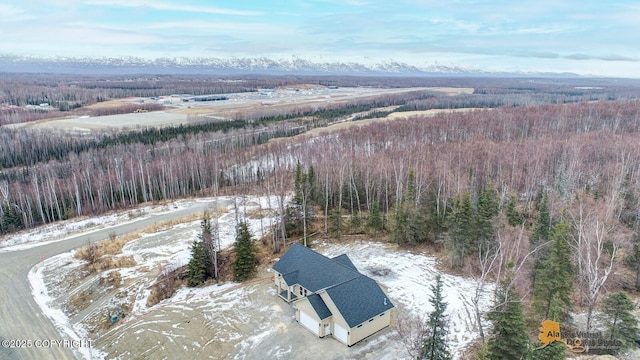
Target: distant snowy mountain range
{"points": [[260, 65]]}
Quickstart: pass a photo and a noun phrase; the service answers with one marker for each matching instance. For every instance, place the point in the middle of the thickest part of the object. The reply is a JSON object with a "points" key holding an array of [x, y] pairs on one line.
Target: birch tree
{"points": [[594, 248]]}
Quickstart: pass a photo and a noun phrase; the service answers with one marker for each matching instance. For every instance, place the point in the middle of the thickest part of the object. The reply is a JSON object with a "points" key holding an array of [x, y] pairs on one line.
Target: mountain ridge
{"points": [[236, 65]]}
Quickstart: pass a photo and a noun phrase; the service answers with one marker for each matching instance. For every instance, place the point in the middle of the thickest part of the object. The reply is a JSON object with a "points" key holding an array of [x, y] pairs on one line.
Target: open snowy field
{"points": [[237, 105]]}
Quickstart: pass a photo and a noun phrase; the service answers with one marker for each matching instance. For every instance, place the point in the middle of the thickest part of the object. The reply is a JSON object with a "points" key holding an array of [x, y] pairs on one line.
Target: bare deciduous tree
{"points": [[595, 242]]}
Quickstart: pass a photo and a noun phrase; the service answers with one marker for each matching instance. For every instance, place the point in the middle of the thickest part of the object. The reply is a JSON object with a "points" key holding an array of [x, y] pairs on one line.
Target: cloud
{"points": [[165, 6], [12, 13], [536, 54], [346, 2], [204, 27], [612, 57], [545, 30]]}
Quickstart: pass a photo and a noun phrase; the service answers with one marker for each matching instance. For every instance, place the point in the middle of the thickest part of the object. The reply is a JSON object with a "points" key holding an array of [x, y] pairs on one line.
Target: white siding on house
{"points": [[327, 329], [310, 323], [340, 333]]}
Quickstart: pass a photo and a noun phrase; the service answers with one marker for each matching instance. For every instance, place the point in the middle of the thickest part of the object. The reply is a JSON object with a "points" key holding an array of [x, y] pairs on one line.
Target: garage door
{"points": [[310, 323], [340, 333]]}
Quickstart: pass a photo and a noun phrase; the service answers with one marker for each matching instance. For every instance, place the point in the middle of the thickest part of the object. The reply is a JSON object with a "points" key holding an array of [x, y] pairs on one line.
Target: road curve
{"points": [[21, 317]]}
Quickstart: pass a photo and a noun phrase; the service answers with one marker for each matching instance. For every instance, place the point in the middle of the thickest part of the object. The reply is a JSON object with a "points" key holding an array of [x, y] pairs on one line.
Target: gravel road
{"points": [[24, 326]]}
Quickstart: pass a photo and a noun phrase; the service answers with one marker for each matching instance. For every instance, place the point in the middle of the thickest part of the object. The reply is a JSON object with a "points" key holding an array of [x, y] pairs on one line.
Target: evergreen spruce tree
{"points": [[557, 350], [487, 210], [11, 219], [435, 343], [553, 283], [416, 224], [541, 231], [198, 264], [416, 227], [374, 221], [210, 245], [245, 263], [355, 224], [617, 313], [311, 181], [633, 262], [542, 225], [509, 338], [335, 217], [294, 221], [399, 228], [629, 207], [459, 242], [513, 216]]}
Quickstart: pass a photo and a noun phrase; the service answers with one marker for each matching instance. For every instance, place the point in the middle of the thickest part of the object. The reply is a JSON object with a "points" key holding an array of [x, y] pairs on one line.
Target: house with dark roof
{"points": [[331, 296]]}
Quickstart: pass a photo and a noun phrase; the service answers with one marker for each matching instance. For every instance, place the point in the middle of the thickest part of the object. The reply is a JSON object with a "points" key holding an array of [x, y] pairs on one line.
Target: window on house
{"points": [[300, 291], [360, 325], [370, 320], [382, 314]]}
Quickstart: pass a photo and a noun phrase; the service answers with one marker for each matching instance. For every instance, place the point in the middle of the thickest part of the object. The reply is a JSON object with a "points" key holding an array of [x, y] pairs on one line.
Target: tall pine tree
{"points": [[409, 225], [540, 234], [459, 241], [557, 350], [435, 343], [210, 244], [199, 264], [514, 217], [553, 282], [632, 260], [487, 210], [542, 225], [245, 263], [335, 217], [509, 338], [617, 314], [374, 221]]}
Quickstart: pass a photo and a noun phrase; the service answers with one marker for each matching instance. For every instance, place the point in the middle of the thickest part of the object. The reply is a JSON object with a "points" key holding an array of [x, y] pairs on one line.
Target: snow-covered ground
{"points": [[232, 320], [408, 278], [61, 230], [165, 249]]}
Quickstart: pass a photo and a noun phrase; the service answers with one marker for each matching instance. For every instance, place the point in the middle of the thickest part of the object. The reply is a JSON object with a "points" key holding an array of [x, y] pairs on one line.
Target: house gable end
{"points": [[319, 306], [359, 300], [314, 271]]}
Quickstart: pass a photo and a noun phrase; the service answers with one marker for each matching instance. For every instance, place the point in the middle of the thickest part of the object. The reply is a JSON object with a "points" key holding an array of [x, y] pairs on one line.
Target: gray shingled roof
{"points": [[319, 306], [291, 278], [344, 260], [357, 297], [315, 271], [359, 300]]}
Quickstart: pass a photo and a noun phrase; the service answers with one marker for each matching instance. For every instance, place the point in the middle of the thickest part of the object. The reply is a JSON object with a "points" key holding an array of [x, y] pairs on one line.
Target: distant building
{"points": [[210, 98]]}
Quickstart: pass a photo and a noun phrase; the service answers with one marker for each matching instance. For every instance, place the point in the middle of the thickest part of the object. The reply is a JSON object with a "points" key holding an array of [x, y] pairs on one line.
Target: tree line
{"points": [[539, 198]]}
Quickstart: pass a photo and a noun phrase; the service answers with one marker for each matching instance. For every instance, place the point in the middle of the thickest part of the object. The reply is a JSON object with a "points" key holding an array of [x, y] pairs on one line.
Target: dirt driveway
{"points": [[231, 322]]}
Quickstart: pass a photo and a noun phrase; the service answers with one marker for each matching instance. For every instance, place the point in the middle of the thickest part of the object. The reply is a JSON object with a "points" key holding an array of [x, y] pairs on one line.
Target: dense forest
{"points": [[533, 166]]}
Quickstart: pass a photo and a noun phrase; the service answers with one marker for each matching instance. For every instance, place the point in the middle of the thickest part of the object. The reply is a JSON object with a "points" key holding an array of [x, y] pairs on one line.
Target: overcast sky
{"points": [[594, 37]]}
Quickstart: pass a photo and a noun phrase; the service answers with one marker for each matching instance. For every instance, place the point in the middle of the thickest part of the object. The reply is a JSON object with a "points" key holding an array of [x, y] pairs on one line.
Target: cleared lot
{"points": [[231, 321], [237, 105]]}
